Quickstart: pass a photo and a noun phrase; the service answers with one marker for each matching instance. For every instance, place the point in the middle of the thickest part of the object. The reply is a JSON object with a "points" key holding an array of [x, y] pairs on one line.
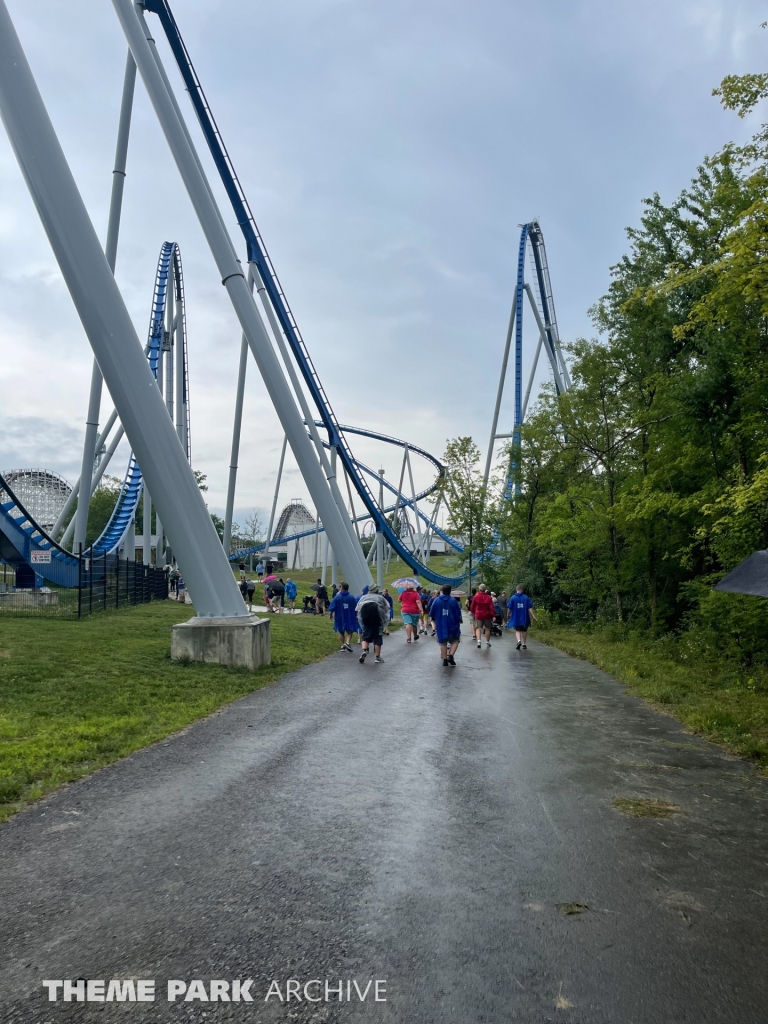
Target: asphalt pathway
{"points": [[423, 826]]}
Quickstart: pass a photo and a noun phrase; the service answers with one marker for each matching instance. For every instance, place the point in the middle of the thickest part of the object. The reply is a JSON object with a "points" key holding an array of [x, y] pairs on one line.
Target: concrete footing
{"points": [[242, 642]]}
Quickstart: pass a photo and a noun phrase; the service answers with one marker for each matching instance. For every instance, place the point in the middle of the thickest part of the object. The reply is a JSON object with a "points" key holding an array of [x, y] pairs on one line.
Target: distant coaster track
{"points": [[402, 501], [20, 535]]}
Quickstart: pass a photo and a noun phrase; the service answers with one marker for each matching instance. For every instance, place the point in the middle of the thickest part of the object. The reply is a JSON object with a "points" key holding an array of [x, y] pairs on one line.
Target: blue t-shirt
{"points": [[519, 606]]}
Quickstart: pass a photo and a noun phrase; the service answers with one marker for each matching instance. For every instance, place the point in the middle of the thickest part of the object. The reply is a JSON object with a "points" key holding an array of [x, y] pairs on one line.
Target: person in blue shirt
{"points": [[445, 612], [342, 609], [520, 615]]}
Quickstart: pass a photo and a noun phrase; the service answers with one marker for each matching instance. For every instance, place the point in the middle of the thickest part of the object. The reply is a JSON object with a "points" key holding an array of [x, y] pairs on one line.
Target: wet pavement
{"points": [[450, 833]]}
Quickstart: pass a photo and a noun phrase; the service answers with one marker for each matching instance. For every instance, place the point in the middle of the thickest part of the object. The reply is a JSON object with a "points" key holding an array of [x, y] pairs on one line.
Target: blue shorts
{"points": [[411, 620]]}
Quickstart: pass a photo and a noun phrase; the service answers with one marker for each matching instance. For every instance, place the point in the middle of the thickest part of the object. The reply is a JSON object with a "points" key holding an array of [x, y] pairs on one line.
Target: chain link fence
{"points": [[104, 581]]}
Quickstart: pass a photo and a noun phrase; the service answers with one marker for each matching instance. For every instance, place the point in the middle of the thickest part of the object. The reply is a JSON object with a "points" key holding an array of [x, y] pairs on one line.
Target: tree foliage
{"points": [[649, 480]]}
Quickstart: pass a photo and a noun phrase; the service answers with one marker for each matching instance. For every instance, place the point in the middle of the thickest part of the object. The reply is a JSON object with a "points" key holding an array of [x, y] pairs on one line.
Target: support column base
{"points": [[236, 643]]}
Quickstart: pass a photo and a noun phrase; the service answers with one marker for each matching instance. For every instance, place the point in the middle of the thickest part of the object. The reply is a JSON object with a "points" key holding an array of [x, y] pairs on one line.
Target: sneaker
{"points": [[445, 663], [479, 645], [451, 660], [343, 649], [408, 640], [378, 660], [363, 656], [434, 632], [525, 647], [487, 643], [348, 647], [519, 645], [415, 639]]}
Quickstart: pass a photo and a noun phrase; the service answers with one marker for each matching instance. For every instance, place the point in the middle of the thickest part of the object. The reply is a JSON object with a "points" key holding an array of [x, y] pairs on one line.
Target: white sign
{"points": [[41, 558]]}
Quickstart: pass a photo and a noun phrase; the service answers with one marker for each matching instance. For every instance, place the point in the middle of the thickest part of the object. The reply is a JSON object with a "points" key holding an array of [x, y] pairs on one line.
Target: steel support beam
{"points": [[233, 279], [113, 231], [236, 429], [274, 501], [499, 393], [542, 331], [113, 338]]}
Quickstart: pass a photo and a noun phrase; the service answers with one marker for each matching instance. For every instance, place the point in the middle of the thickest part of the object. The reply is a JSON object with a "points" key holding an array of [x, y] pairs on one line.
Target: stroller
{"points": [[497, 625]]}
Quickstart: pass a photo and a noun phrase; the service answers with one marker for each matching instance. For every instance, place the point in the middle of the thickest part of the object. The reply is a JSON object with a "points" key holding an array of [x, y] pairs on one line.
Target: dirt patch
{"points": [[571, 908], [649, 808]]}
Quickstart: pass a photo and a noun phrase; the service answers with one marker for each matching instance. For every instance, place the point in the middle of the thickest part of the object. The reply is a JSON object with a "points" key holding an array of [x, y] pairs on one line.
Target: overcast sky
{"points": [[390, 152]]}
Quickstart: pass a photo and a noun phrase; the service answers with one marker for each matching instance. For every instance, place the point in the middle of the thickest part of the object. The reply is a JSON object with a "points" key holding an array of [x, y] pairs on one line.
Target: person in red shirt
{"points": [[482, 612], [410, 607]]}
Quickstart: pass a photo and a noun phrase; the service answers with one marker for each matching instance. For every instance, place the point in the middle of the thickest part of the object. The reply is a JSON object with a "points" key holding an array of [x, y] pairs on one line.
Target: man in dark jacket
{"points": [[445, 612]]}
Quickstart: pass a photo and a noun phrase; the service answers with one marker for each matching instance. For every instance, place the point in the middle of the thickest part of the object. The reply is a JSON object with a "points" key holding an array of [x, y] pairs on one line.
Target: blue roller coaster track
{"points": [[20, 535], [24, 536], [543, 306], [257, 253], [402, 501]]}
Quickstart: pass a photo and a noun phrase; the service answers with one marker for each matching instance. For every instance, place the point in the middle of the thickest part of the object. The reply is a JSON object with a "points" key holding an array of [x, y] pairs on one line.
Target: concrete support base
{"points": [[242, 642]]}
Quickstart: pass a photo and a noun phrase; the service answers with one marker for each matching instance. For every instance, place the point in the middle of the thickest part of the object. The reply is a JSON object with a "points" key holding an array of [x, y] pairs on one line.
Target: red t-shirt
{"points": [[410, 602], [482, 606]]}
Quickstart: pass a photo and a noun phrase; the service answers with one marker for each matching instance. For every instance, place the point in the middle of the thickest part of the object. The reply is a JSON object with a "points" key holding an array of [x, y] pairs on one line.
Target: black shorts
{"points": [[372, 635], [450, 640], [521, 629]]}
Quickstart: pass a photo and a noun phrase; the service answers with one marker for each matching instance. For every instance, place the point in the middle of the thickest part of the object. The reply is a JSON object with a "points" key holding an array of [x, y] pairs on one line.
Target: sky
{"points": [[390, 152]]}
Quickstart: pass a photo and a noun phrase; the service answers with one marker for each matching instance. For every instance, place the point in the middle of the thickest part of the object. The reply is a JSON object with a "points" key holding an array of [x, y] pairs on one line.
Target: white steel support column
{"points": [[147, 532], [115, 344], [234, 281], [334, 565], [499, 392], [537, 353], [325, 559], [380, 538], [76, 486], [166, 355], [129, 544], [96, 479], [235, 453], [542, 331], [113, 230], [180, 409], [309, 419], [274, 501]]}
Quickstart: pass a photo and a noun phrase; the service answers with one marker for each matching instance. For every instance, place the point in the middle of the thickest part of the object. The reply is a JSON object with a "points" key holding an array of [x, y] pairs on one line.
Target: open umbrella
{"points": [[403, 582], [268, 578]]}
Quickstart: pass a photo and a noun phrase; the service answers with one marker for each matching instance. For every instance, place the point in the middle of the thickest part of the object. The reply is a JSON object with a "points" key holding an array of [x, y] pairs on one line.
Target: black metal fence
{"points": [[104, 581]]}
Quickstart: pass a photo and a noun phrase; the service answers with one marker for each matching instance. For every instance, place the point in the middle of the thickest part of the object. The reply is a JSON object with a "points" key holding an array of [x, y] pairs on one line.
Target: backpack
{"points": [[369, 614], [322, 593]]}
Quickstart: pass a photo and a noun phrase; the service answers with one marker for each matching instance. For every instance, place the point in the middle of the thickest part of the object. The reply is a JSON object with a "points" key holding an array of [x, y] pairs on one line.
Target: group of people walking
{"points": [[422, 612]]}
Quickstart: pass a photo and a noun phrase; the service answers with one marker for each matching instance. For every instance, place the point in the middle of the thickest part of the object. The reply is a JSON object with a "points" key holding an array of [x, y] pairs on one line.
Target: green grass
{"points": [[75, 696], [447, 565], [718, 699]]}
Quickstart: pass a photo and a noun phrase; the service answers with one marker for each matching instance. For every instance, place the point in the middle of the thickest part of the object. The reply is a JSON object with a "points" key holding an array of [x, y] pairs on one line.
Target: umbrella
{"points": [[403, 582], [268, 578]]}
